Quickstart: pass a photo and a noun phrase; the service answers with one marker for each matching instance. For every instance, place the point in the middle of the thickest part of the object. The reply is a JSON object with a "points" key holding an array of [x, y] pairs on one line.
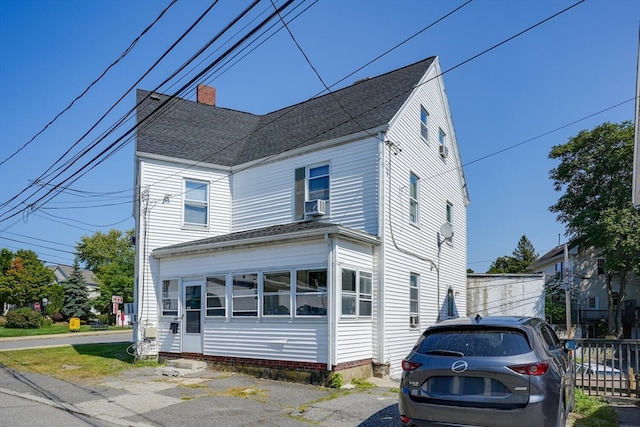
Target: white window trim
{"points": [[415, 200], [424, 125], [357, 294], [414, 324], [186, 201], [177, 298]]}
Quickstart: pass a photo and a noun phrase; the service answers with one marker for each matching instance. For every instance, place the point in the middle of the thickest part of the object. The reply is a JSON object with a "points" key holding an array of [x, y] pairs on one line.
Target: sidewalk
{"points": [[67, 335]]}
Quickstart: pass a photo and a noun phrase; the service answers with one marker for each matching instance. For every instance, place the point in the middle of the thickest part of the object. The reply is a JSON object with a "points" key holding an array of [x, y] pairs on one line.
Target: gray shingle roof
{"points": [[187, 130]]}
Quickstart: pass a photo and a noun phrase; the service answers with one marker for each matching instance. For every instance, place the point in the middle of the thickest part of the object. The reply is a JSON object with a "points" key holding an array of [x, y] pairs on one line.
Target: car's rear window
{"points": [[476, 343]]}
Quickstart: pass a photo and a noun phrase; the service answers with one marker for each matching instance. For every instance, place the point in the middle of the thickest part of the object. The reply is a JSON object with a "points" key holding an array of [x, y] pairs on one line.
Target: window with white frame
{"points": [[216, 296], [414, 198], [170, 297], [424, 124], [449, 213], [356, 293], [276, 296], [245, 295], [311, 183], [364, 295], [600, 265], [442, 137], [196, 203], [414, 300], [311, 292]]}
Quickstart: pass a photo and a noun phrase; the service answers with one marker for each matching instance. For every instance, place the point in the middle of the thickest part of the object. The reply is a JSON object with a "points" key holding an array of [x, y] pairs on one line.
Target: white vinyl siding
{"points": [[266, 195]]}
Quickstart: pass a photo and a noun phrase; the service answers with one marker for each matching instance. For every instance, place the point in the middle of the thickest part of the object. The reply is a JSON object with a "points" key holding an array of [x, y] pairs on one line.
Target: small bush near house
{"points": [[23, 318], [105, 318], [336, 380]]}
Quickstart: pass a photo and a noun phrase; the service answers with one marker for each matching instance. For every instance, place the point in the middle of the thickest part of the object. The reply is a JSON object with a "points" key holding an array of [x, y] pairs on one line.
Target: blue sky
{"points": [[509, 106]]}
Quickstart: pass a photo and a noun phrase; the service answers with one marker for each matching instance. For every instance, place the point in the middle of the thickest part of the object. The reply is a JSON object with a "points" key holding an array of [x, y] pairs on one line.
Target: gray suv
{"points": [[492, 371]]}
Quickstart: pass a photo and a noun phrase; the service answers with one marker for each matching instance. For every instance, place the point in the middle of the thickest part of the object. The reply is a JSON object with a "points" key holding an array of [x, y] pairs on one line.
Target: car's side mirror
{"points": [[570, 345]]}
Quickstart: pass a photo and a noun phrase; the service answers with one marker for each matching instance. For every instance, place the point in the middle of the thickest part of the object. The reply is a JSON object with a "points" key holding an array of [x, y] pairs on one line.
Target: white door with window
{"points": [[192, 315]]}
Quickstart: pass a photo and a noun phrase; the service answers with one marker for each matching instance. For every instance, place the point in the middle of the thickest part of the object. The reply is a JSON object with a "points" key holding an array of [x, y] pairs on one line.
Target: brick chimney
{"points": [[206, 95]]}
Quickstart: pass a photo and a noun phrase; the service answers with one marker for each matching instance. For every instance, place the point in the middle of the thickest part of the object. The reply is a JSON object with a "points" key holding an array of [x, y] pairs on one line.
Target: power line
{"points": [[122, 56]]}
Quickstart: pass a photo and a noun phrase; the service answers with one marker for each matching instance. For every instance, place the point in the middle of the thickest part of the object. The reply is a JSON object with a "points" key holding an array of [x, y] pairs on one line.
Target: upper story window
{"points": [[442, 137], [276, 296], [592, 302], [600, 262], [245, 294], [216, 296], [356, 293], [311, 183], [414, 198], [449, 213], [196, 203], [424, 124], [170, 297]]}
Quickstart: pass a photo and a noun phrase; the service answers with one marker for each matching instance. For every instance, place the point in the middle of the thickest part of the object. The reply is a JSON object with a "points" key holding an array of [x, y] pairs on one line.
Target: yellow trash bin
{"points": [[74, 324]]}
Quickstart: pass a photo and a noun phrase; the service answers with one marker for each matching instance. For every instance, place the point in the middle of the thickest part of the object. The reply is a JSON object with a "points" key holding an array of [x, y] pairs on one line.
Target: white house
{"points": [[321, 237], [588, 285]]}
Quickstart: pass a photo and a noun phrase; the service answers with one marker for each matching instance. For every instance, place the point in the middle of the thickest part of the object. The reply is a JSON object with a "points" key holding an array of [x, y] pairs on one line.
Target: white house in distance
{"points": [[316, 238]]}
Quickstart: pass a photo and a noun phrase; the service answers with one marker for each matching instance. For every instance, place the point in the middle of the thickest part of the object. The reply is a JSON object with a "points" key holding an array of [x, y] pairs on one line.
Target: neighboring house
{"points": [[588, 283], [505, 295], [315, 238], [63, 272]]}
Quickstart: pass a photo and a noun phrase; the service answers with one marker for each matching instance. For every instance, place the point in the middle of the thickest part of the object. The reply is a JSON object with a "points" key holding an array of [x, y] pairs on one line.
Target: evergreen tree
{"points": [[76, 297], [522, 257]]}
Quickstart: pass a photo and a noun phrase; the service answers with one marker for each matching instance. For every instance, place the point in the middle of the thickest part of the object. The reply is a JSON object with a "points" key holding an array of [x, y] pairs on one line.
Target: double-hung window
{"points": [[449, 218], [245, 294], [311, 292], [216, 296], [414, 300], [170, 297], [600, 265], [196, 203], [424, 124], [276, 293], [442, 137], [414, 198], [311, 183]]}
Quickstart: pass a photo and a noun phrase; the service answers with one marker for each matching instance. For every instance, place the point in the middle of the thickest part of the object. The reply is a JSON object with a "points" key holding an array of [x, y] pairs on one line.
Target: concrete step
{"points": [[187, 364]]}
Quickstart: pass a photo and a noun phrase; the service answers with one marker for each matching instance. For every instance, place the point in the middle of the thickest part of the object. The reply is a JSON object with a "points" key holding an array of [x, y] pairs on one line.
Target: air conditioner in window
{"points": [[444, 151], [414, 322], [315, 207]]}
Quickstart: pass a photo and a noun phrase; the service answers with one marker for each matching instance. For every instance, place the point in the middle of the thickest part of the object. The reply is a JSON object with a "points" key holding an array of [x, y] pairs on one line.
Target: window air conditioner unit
{"points": [[444, 151], [315, 207]]}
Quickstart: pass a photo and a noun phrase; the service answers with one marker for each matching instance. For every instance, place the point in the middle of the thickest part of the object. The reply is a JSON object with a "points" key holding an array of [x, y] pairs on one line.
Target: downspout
{"points": [[331, 301], [379, 274], [435, 265]]}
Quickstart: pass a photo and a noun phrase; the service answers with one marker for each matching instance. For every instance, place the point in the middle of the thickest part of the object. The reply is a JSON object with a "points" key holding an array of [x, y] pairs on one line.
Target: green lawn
{"points": [[45, 330]]}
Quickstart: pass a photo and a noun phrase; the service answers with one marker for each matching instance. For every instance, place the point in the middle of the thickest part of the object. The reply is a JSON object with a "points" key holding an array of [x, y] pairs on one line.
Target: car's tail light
{"points": [[404, 419], [410, 366], [533, 369]]}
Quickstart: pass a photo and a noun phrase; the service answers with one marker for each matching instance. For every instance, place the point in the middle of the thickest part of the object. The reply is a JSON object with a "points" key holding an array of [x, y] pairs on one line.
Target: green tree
{"points": [[111, 258], [523, 256], [25, 280], [76, 297], [595, 177]]}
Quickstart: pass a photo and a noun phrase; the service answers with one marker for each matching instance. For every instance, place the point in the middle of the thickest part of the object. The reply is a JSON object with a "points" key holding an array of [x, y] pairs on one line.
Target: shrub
{"points": [[336, 380], [3, 321], [57, 317], [23, 318]]}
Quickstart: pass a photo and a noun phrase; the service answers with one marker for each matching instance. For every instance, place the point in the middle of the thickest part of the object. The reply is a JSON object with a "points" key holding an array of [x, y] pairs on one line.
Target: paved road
{"points": [[21, 343]]}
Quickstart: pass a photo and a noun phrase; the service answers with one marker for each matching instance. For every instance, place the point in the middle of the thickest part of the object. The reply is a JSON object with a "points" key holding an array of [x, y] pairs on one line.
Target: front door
{"points": [[192, 316]]}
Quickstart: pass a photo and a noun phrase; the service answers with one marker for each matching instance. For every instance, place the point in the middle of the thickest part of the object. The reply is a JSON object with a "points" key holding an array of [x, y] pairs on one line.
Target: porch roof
{"points": [[289, 232]]}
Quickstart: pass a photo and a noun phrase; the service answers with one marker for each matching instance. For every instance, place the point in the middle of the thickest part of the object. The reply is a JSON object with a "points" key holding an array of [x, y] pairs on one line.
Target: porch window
{"points": [[364, 304], [414, 298], [311, 292], [216, 296], [196, 203], [170, 297], [245, 295], [349, 294], [277, 294], [414, 198], [600, 262]]}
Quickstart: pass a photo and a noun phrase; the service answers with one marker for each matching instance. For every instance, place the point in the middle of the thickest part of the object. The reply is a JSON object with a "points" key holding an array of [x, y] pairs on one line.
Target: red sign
{"points": [[36, 306]]}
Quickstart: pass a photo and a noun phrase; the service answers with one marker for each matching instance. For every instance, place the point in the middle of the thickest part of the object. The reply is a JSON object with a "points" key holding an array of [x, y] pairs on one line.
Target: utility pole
{"points": [[567, 294]]}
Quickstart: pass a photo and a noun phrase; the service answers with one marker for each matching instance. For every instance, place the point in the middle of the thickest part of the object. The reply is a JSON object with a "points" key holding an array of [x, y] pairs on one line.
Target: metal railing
{"points": [[607, 367]]}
